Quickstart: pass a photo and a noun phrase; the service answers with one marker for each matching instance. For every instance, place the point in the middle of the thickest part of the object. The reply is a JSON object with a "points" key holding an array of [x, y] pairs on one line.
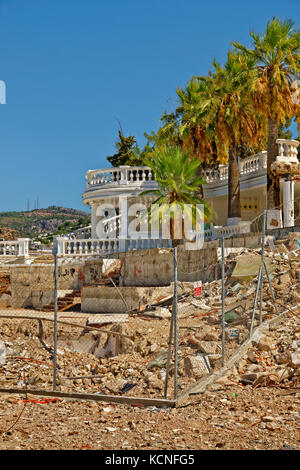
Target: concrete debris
{"points": [[135, 365], [264, 344], [2, 353], [247, 267], [196, 366], [209, 347], [295, 360]]}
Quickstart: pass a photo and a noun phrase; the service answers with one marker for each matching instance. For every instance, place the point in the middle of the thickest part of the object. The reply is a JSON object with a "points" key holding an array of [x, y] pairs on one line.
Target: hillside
{"points": [[41, 223]]}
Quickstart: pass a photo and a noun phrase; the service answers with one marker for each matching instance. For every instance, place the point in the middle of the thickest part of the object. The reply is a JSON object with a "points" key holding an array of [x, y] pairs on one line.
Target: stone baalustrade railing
{"points": [[253, 165], [121, 176], [250, 165], [139, 175], [287, 148], [81, 233], [110, 246], [18, 247], [224, 232]]}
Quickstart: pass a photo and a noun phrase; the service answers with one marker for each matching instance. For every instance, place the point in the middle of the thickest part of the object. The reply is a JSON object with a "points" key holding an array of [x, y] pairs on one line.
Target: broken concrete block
{"points": [[283, 358], [251, 356], [208, 347], [253, 368], [195, 366], [241, 366], [2, 353], [247, 267], [249, 378], [215, 359], [284, 279], [153, 348], [163, 312], [211, 336], [263, 343], [205, 330], [295, 359], [285, 373], [115, 344]]}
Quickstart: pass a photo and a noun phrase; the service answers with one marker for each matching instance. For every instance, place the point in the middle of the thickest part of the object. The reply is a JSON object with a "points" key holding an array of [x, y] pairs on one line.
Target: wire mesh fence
{"points": [[149, 323]]}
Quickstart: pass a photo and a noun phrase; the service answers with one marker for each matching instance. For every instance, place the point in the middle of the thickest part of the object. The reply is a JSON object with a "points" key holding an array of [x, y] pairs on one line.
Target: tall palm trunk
{"points": [[273, 188], [234, 200]]}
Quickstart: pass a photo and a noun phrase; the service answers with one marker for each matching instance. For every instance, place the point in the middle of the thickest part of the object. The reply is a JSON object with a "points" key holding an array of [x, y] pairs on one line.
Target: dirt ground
{"points": [[238, 418], [228, 415]]}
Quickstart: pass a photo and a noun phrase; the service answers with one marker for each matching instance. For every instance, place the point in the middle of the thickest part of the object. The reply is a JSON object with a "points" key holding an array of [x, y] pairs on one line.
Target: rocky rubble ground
{"points": [[257, 399]]}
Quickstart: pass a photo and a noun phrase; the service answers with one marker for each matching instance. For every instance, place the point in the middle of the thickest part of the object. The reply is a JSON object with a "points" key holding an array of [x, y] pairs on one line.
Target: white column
{"points": [[59, 246], [288, 203], [123, 205], [94, 220], [124, 174], [23, 246]]}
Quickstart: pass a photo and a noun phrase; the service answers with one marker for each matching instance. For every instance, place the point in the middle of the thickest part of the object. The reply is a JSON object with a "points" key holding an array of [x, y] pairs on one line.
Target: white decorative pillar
{"points": [[123, 205], [124, 174], [94, 220], [288, 188], [23, 247], [59, 246]]}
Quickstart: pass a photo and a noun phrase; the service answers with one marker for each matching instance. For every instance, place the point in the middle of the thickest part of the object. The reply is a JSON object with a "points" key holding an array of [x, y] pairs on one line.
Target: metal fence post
{"points": [[223, 302], [55, 314], [175, 323], [169, 353], [255, 300], [262, 262]]}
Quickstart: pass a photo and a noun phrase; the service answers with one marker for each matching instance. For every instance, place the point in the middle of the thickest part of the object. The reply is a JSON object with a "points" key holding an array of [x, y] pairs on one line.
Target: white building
{"points": [[107, 190]]}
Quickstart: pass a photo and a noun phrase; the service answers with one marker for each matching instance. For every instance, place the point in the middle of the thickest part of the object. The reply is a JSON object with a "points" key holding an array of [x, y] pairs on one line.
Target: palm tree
{"points": [[276, 56], [235, 120], [217, 120], [176, 175]]}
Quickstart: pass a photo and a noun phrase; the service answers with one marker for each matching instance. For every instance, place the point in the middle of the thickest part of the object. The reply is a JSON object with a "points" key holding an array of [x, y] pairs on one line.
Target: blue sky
{"points": [[75, 68]]}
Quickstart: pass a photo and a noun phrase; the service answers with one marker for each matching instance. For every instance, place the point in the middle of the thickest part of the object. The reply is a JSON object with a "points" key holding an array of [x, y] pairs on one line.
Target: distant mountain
{"points": [[41, 223]]}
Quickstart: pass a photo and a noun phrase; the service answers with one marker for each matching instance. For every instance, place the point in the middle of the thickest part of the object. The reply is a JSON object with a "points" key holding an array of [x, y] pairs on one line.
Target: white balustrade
{"points": [[18, 247], [139, 174], [253, 164], [86, 247], [219, 232], [122, 175], [103, 176], [84, 232], [288, 148]]}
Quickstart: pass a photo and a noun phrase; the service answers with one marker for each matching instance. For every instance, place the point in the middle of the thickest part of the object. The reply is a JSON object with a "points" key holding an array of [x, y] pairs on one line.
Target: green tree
{"points": [[127, 152], [219, 122], [235, 121], [176, 175], [276, 55]]}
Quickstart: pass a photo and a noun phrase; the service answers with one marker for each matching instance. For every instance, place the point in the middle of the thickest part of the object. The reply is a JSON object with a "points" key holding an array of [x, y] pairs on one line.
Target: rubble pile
{"points": [[250, 401], [131, 357]]}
